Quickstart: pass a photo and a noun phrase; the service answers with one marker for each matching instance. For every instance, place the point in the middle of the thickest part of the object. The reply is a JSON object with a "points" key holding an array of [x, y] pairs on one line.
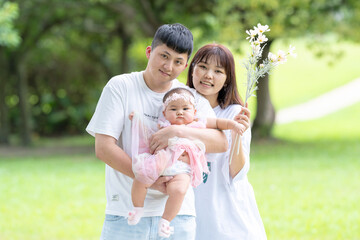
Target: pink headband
{"points": [[176, 96]]}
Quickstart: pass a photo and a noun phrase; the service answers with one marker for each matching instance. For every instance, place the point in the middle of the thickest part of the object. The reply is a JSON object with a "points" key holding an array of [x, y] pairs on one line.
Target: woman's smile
{"points": [[206, 83]]}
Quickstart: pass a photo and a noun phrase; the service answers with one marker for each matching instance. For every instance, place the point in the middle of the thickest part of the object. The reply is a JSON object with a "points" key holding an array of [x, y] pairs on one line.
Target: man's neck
{"points": [[155, 86]]}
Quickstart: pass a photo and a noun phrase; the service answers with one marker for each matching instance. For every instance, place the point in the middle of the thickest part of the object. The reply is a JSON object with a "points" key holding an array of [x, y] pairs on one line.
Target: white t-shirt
{"points": [[226, 208], [122, 95]]}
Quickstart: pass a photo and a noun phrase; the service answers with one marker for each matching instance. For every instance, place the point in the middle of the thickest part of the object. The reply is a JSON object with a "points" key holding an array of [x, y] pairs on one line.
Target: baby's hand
{"points": [[131, 116], [238, 128]]}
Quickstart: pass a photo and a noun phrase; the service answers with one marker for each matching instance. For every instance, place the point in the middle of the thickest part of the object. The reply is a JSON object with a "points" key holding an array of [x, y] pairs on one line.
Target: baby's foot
{"points": [[135, 215], [164, 228]]}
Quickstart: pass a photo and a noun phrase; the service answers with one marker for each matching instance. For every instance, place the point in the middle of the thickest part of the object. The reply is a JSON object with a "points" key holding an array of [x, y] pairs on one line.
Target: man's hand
{"points": [[159, 140], [160, 184], [131, 116]]}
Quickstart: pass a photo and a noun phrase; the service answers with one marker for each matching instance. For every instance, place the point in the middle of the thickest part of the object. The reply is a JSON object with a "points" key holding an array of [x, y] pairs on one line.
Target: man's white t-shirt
{"points": [[122, 95]]}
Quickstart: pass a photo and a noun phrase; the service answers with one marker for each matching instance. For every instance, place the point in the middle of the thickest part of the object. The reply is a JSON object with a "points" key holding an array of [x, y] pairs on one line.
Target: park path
{"points": [[323, 105]]}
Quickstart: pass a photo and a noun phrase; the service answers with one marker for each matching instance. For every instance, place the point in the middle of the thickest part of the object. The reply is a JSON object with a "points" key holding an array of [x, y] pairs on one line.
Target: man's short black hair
{"points": [[176, 36]]}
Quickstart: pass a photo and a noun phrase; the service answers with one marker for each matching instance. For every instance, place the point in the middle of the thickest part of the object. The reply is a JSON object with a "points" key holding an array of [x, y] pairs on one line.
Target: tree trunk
{"points": [[265, 112], [25, 120], [4, 111], [4, 124], [124, 54]]}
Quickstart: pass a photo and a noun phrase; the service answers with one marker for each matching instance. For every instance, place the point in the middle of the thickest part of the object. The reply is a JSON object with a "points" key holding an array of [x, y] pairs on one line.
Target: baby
{"points": [[184, 159]]}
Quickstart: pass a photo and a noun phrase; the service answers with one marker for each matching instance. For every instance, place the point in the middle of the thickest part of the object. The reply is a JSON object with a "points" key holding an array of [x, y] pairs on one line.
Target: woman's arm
{"points": [[238, 157]]}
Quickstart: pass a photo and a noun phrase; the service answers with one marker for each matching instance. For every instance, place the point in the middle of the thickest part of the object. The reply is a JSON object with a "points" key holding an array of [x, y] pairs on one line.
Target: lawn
{"points": [[51, 197], [306, 184]]}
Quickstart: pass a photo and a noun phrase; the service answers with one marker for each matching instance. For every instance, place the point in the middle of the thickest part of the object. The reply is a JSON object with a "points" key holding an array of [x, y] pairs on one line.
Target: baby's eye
{"points": [[164, 56]]}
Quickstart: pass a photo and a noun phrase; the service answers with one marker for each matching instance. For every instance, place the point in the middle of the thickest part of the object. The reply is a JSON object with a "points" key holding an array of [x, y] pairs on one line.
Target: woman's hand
{"points": [[159, 140], [243, 117]]}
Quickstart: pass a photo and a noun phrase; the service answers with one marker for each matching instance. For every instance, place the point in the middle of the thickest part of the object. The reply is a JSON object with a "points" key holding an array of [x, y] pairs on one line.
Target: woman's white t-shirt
{"points": [[226, 208]]}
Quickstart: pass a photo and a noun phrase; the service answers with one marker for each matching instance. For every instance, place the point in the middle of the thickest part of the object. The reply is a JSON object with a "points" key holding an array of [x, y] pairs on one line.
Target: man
{"points": [[143, 92]]}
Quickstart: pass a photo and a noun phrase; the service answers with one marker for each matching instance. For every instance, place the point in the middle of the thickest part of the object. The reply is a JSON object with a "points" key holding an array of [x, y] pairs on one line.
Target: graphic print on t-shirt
{"points": [[205, 175]]}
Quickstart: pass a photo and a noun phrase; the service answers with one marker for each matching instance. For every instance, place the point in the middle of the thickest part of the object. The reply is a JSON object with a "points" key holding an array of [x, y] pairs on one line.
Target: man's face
{"points": [[164, 64]]}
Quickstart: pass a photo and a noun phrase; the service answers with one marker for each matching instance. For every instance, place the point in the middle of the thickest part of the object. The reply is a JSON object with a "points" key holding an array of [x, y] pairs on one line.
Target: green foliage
{"points": [[293, 18], [70, 49], [8, 13]]}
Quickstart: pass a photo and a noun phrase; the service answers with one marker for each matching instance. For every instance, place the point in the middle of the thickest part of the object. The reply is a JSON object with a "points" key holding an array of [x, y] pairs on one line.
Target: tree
{"points": [[98, 33], [37, 18], [291, 18], [9, 38]]}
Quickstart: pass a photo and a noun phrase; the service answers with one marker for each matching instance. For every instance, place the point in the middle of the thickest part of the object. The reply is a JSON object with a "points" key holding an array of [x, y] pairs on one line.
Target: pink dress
{"points": [[147, 168]]}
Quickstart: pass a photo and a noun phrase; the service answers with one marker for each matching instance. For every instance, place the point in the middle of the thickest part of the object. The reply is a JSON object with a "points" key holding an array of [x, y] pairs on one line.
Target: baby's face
{"points": [[179, 112]]}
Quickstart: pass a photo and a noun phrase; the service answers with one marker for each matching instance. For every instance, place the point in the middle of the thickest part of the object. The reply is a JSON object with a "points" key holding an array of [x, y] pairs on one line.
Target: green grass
{"points": [[307, 183], [305, 77], [51, 197]]}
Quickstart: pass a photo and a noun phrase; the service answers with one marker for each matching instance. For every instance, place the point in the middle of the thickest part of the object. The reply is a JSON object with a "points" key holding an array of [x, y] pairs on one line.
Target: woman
{"points": [[225, 204]]}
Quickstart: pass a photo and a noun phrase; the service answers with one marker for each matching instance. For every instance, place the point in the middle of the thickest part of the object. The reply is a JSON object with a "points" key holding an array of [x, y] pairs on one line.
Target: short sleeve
{"points": [[109, 116]]}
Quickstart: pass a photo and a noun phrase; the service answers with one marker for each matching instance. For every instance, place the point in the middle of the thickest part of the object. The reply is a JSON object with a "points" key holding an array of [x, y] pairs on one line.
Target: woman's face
{"points": [[209, 79]]}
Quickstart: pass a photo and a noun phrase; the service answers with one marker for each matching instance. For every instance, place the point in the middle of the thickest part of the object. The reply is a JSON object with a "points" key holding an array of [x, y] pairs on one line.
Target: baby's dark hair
{"points": [[177, 90], [176, 36]]}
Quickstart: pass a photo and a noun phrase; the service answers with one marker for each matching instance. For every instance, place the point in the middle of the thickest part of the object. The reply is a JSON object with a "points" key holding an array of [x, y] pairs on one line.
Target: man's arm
{"points": [[110, 153], [214, 140]]}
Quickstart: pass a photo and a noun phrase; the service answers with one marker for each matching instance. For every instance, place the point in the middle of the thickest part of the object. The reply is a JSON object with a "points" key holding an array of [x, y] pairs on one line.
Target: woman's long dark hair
{"points": [[229, 93]]}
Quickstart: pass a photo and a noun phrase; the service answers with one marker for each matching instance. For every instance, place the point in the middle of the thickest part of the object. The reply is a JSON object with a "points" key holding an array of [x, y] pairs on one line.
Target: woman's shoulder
{"points": [[228, 112]]}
